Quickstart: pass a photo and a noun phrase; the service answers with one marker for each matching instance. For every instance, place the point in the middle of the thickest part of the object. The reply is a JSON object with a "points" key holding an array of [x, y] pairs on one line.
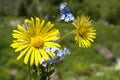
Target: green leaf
{"points": [[51, 72]]}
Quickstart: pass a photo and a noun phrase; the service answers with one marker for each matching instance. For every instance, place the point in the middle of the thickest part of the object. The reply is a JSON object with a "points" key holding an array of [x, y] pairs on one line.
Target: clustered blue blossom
{"points": [[65, 13], [59, 55]]}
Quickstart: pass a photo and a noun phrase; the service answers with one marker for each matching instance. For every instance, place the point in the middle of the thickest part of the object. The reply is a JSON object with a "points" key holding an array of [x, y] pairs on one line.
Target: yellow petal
{"points": [[39, 58], [44, 54], [51, 33], [36, 57], [41, 25], [19, 36], [52, 38], [22, 53], [32, 57], [37, 25], [52, 55], [30, 27], [27, 55], [21, 47], [51, 44], [22, 29], [47, 27]]}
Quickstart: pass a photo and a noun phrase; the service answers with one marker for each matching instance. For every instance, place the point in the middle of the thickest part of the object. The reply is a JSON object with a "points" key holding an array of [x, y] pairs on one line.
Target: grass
{"points": [[81, 64]]}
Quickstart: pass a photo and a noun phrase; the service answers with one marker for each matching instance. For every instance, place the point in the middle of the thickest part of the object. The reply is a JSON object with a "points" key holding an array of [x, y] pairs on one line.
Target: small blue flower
{"points": [[65, 13], [44, 64], [47, 49], [53, 49], [66, 51], [60, 54], [50, 61], [42, 59], [23, 25]]}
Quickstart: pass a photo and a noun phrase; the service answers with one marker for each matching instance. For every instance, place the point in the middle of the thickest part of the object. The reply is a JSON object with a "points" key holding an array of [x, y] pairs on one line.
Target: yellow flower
{"points": [[33, 40], [84, 31]]}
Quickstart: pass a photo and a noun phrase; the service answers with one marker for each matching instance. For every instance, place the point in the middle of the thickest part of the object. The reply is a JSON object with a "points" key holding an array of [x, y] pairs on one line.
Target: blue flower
{"points": [[60, 54], [47, 49], [23, 25], [65, 13], [53, 49]]}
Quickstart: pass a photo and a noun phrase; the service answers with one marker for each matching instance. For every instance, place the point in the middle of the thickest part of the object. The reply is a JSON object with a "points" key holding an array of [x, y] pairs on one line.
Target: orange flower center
{"points": [[37, 42], [82, 31]]}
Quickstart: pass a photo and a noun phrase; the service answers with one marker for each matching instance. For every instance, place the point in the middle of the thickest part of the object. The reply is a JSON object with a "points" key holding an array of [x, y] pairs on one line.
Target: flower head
{"points": [[85, 33], [33, 38]]}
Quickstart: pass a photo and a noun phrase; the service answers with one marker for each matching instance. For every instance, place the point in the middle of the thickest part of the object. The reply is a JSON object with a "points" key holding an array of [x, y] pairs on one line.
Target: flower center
{"points": [[82, 31], [37, 42]]}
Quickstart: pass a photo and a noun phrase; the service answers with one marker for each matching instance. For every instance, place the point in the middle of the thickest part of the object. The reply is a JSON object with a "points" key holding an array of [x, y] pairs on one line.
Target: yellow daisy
{"points": [[32, 41], [84, 32]]}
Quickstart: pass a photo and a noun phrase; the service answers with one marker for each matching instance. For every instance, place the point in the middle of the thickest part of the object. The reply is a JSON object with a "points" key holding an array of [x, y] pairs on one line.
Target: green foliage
{"points": [[55, 2], [22, 10], [113, 17], [49, 9], [93, 13], [106, 76], [2, 11], [4, 74]]}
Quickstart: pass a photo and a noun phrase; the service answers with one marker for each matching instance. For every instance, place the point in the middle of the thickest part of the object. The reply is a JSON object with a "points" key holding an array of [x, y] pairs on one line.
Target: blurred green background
{"points": [[99, 62]]}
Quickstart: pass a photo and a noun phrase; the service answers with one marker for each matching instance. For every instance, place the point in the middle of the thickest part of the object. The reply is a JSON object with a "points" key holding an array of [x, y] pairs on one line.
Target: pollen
{"points": [[37, 42]]}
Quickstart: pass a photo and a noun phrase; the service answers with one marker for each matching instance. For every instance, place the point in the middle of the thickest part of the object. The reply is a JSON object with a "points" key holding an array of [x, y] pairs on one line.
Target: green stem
{"points": [[65, 36], [46, 73], [43, 74], [29, 71]]}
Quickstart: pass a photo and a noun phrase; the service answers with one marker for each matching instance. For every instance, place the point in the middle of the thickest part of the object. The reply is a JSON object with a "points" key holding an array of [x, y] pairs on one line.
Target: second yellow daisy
{"points": [[85, 33]]}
